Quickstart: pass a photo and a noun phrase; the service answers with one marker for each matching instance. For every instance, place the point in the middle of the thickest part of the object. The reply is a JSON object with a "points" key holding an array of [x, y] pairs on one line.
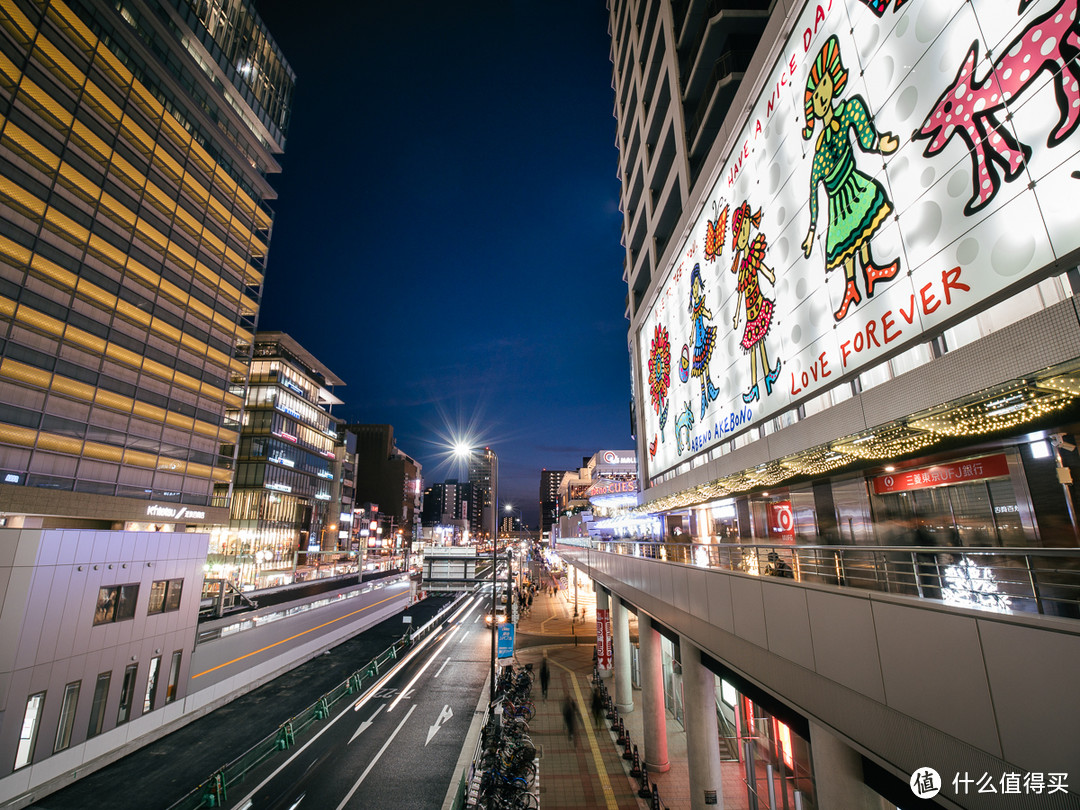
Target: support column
{"points": [[702, 734], [838, 773], [603, 603], [654, 719], [620, 628]]}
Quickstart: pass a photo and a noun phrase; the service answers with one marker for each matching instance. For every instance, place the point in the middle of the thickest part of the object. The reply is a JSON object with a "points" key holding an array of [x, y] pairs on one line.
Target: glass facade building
{"points": [[135, 143], [288, 471]]}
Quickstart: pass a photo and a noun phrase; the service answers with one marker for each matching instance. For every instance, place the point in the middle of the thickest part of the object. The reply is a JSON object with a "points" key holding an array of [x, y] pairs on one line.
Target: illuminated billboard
{"points": [[906, 163]]}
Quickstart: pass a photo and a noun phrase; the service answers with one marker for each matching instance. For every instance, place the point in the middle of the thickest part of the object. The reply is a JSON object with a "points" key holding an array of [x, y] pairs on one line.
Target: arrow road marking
{"points": [[444, 715], [366, 724], [409, 685], [371, 765]]}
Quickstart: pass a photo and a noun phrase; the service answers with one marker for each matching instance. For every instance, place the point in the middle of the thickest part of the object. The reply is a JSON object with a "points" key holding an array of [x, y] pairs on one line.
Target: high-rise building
{"points": [[135, 142], [391, 478], [853, 323], [133, 237], [288, 469], [549, 499], [484, 476], [678, 65]]}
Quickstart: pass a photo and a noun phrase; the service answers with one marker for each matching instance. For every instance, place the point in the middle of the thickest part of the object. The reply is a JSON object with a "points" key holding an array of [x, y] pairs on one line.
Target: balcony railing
{"points": [[1004, 580]]}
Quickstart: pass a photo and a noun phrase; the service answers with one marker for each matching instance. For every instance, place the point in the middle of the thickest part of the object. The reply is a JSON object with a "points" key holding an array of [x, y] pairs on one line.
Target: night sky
{"points": [[447, 230]]}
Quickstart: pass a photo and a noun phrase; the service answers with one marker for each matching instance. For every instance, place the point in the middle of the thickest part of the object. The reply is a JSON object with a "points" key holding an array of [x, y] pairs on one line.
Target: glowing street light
{"points": [[463, 451]]}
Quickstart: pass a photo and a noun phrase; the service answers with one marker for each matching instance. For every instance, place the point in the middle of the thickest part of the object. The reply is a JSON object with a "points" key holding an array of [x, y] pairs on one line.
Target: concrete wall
{"points": [[49, 581], [910, 683]]}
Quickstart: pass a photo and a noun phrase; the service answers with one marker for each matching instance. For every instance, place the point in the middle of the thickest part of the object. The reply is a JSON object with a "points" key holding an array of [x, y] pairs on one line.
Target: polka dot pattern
{"points": [[974, 107]]}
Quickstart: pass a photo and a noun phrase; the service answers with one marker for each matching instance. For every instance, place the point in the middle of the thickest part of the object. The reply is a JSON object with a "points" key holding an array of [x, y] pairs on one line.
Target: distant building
{"points": [[549, 499], [603, 488], [387, 476], [288, 469], [484, 476]]}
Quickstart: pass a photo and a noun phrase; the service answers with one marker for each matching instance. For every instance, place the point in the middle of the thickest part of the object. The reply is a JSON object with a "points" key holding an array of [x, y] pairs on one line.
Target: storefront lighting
{"points": [[998, 409], [1040, 449]]}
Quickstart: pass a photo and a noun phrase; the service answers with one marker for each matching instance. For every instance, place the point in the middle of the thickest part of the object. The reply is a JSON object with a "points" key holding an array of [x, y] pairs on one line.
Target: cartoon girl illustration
{"points": [[857, 204], [704, 339], [748, 263]]}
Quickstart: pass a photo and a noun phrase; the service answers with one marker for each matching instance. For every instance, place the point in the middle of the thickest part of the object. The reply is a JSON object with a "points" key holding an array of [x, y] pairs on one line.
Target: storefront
{"points": [[975, 501], [1004, 496]]}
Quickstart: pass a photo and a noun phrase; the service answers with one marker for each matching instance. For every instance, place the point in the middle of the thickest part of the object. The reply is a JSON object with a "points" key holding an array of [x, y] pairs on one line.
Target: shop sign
{"points": [[603, 639], [612, 488], [975, 469], [782, 520], [156, 510], [903, 166]]}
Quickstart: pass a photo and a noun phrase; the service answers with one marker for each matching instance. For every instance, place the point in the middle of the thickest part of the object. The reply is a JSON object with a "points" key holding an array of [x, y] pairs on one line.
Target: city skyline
{"points": [[475, 211]]}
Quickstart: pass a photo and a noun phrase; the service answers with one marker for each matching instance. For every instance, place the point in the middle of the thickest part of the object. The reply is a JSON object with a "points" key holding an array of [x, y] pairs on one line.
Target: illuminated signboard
{"points": [[959, 472], [601, 488], [904, 165], [175, 512]]}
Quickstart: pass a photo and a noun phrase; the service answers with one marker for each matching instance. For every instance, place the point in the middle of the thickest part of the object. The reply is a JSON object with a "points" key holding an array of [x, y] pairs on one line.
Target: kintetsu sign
{"points": [[905, 164]]}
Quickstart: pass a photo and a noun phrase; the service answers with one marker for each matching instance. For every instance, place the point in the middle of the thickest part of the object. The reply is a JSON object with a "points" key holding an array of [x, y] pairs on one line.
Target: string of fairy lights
{"points": [[992, 410]]}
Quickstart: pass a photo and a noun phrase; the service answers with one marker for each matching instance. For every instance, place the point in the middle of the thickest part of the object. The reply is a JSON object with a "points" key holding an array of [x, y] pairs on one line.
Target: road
{"points": [[397, 745]]}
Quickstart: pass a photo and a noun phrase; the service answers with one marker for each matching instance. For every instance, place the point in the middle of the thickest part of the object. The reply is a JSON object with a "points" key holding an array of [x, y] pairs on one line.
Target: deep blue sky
{"points": [[447, 229]]}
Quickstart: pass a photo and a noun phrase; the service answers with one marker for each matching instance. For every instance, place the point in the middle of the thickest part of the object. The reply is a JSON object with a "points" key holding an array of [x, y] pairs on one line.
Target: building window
{"points": [[116, 603], [165, 595], [174, 677], [28, 735], [97, 709], [151, 685], [127, 693], [67, 716]]}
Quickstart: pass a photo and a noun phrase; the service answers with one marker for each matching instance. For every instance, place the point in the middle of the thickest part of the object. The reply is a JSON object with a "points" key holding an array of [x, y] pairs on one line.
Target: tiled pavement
{"points": [[589, 771]]}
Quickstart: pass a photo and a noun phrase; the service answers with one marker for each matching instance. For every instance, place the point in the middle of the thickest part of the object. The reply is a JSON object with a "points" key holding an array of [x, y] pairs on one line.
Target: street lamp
{"points": [[464, 451]]}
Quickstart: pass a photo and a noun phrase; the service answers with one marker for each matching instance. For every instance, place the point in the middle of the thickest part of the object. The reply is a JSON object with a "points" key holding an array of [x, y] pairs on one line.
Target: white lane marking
{"points": [[409, 685], [444, 663], [371, 764], [359, 705], [366, 724], [444, 715]]}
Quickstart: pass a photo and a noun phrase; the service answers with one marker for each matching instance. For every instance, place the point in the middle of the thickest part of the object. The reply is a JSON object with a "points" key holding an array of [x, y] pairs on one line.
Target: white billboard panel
{"points": [[906, 162]]}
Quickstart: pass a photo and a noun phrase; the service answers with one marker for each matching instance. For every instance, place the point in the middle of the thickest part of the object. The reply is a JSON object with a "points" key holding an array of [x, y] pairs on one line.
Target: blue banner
{"points": [[505, 646]]}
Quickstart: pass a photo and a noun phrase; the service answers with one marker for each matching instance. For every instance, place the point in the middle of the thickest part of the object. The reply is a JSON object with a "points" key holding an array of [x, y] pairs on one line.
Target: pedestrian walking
{"points": [[568, 717], [597, 707], [545, 677]]}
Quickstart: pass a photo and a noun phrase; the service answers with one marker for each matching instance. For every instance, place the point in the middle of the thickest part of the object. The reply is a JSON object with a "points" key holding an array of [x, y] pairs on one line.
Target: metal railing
{"points": [[1024, 580], [214, 791]]}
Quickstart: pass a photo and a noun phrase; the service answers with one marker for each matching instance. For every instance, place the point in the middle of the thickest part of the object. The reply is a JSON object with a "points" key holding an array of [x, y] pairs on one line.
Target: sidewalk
{"points": [[591, 772]]}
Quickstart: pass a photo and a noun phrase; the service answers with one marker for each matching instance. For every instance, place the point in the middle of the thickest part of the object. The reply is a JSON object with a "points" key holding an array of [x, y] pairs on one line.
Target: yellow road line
{"points": [[290, 638], [598, 760]]}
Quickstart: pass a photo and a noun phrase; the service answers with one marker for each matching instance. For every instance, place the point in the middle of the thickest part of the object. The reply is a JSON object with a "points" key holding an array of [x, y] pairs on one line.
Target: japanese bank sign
{"points": [[905, 164]]}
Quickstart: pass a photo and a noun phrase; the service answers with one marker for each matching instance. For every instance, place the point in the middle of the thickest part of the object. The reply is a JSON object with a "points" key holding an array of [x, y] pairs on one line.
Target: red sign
{"points": [[603, 639], [781, 520], [971, 470]]}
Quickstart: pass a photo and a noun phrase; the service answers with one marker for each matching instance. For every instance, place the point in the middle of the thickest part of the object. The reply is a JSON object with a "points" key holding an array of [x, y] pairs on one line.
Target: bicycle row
{"points": [[506, 770]]}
